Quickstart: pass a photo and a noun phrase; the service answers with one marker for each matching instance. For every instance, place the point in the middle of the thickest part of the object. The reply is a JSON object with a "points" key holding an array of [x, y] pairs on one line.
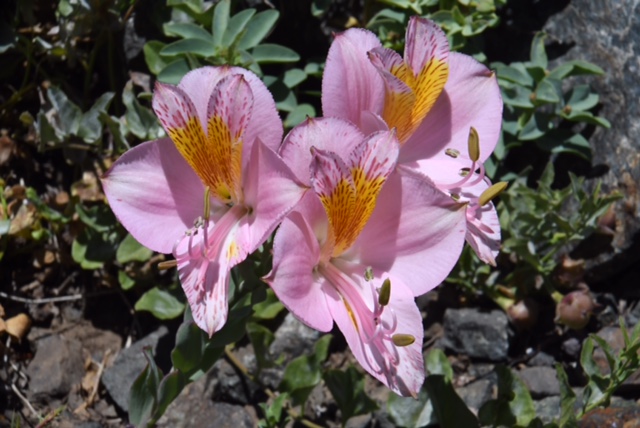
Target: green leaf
{"points": [[162, 304], [174, 72], [186, 30], [537, 125], [410, 412], [538, 53], [189, 348], [580, 97], [152, 57], [220, 21], [126, 282], [450, 410], [269, 308], [90, 129], [143, 393], [546, 92], [567, 400], [91, 249], [189, 46], [236, 26], [260, 25], [69, 115], [320, 7], [168, 390], [302, 374], [513, 406], [438, 364], [347, 388], [141, 121], [261, 338], [299, 114], [270, 53], [98, 217], [131, 250], [294, 77]]}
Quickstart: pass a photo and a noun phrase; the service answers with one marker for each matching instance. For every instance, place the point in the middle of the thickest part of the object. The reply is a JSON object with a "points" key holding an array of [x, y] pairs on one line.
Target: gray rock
{"points": [[56, 367], [129, 363], [293, 339], [607, 33], [541, 359], [571, 347], [477, 334], [231, 385], [541, 381], [476, 393], [548, 409]]}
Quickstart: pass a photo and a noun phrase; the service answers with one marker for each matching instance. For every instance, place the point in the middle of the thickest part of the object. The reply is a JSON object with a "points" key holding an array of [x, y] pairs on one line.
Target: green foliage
{"points": [[162, 304], [541, 109], [347, 388], [513, 407], [461, 20], [273, 413]]}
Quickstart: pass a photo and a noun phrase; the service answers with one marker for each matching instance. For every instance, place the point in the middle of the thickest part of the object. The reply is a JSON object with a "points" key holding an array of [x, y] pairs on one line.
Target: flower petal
{"points": [[425, 42], [154, 193], [471, 97], [271, 191], [328, 134], [413, 222], [350, 84], [265, 121], [399, 368], [295, 255]]}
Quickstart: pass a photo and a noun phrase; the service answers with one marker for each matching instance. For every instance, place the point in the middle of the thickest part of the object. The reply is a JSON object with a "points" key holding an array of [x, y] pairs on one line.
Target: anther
{"points": [[368, 274], [455, 197], [452, 153], [207, 203], [464, 172], [474, 144], [492, 192], [403, 339], [167, 264], [385, 293]]}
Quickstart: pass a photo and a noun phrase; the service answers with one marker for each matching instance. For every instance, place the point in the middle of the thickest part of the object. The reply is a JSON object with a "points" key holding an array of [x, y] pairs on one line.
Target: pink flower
{"points": [[213, 191], [435, 99], [362, 244]]}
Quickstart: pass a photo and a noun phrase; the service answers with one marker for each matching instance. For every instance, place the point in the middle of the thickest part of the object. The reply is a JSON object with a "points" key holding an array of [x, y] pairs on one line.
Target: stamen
{"points": [[403, 339], [167, 264], [452, 153], [492, 192], [207, 203], [474, 144], [368, 274], [455, 197], [385, 293], [464, 172]]}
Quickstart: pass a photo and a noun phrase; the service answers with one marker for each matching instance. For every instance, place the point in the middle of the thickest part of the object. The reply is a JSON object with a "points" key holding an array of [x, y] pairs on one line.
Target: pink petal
{"points": [[265, 121], [385, 61], [376, 156], [232, 101], [404, 377], [154, 193], [483, 224], [174, 109], [471, 97], [328, 134], [415, 233], [425, 41], [350, 84], [271, 191], [295, 255]]}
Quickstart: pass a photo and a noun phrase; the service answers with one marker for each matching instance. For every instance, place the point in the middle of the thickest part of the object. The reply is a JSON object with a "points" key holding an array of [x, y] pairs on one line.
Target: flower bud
{"points": [[575, 309], [524, 313]]}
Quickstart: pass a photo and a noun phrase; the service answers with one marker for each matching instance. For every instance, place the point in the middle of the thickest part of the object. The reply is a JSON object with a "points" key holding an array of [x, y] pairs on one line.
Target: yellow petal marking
{"points": [[349, 207], [406, 110], [216, 157]]}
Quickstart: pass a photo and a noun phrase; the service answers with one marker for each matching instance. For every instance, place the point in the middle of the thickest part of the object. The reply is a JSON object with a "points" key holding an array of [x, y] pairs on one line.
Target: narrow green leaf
{"points": [[220, 21], [174, 71], [69, 115], [197, 47], [270, 53], [347, 388], [237, 25], [538, 53], [567, 400], [438, 364], [450, 410], [187, 30], [152, 56], [259, 27]]}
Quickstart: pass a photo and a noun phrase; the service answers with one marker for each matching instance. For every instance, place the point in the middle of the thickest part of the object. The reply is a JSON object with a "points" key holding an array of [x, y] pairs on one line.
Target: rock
{"points": [[541, 359], [56, 367], [293, 339], [360, 421], [548, 409], [541, 381], [229, 384], [612, 417], [195, 408], [476, 393], [608, 34], [571, 347], [129, 363], [477, 334]]}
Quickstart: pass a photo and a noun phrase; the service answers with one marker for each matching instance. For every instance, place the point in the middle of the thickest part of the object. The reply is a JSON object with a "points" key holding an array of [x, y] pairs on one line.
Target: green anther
{"points": [[207, 203], [455, 197], [385, 293], [368, 274], [474, 144], [492, 192], [403, 339]]}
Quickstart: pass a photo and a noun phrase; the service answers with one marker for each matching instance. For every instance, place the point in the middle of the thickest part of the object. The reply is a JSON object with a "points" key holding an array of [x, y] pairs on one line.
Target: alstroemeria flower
{"points": [[214, 190], [434, 98], [362, 244]]}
